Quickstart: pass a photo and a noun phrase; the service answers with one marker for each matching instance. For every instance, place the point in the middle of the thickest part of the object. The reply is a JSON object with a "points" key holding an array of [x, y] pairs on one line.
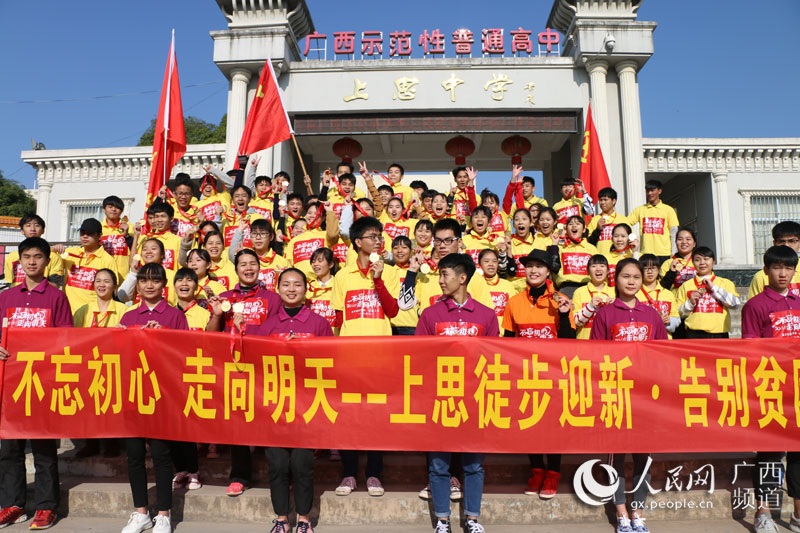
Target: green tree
{"points": [[198, 131], [14, 201]]}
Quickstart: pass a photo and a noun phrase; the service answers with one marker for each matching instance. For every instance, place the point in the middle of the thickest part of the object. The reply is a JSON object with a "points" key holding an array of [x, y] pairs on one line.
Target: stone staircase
{"points": [[97, 488]]}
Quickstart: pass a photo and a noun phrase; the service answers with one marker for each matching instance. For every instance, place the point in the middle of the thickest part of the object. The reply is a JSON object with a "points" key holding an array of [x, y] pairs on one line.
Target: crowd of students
{"points": [[395, 260]]}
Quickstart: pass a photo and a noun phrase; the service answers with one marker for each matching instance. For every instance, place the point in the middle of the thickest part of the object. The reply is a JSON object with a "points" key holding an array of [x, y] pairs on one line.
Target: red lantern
{"points": [[459, 147], [516, 146], [347, 149]]}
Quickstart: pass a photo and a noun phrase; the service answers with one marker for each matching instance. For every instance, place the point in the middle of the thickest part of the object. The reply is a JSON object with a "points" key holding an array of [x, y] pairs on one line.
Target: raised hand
{"points": [[516, 170], [362, 169], [472, 174]]}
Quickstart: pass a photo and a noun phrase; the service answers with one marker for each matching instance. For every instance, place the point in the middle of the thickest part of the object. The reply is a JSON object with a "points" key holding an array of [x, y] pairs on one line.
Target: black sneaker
{"points": [[442, 526], [472, 526]]}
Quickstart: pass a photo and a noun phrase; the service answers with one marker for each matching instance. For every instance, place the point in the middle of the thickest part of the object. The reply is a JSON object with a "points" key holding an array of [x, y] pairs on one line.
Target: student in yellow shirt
{"points": [[574, 202], [520, 192], [460, 194], [182, 201], [271, 263], [479, 237], [186, 288], [82, 263], [786, 233], [117, 234], [365, 301], [521, 245], [622, 247], [499, 221], [347, 185], [395, 223], [320, 286], [501, 289], [657, 222], [240, 212], [601, 226], [423, 237], [439, 207], [222, 269], [33, 226], [198, 260], [405, 322], [213, 201], [261, 202], [679, 268], [103, 311], [659, 298], [574, 255], [394, 175], [152, 251], [591, 297], [549, 232], [322, 230], [705, 301], [159, 218]]}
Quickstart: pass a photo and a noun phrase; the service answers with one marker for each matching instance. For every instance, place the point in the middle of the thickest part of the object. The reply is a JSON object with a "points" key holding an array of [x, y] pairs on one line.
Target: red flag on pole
{"points": [[267, 122], [593, 171], [169, 143]]}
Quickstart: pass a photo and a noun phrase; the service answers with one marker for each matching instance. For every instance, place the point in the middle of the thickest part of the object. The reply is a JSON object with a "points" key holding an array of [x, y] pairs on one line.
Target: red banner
{"points": [[409, 393]]}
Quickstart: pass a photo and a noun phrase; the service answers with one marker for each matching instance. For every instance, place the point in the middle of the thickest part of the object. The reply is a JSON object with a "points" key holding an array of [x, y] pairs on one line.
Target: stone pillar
{"points": [[43, 207], [237, 113], [721, 208], [631, 134], [597, 78]]}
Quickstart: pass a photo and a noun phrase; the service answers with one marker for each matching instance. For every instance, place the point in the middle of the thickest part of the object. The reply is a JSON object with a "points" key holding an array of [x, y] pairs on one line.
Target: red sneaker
{"points": [[43, 520], [235, 489], [535, 481], [12, 515], [550, 485]]}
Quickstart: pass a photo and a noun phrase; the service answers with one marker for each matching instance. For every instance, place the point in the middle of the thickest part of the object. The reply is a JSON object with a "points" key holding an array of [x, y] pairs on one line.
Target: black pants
{"points": [[300, 462], [350, 464], [699, 334], [403, 330], [13, 483], [640, 490], [241, 465], [553, 461], [137, 474], [184, 456]]}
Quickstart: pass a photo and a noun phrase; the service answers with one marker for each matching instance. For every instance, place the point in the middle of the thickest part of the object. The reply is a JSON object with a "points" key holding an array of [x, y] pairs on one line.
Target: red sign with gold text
{"points": [[411, 393]]}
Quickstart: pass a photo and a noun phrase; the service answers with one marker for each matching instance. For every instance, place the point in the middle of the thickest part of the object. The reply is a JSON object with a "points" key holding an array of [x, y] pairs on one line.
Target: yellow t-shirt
{"points": [[14, 274], [519, 249], [533, 200], [428, 290], [81, 268], [224, 272], [89, 315], [271, 265], [474, 244], [172, 246], [208, 205], [613, 257], [354, 294], [655, 222], [581, 298], [568, 207], [114, 243], [708, 315], [760, 281], [409, 318], [499, 223], [404, 192], [663, 299], [318, 299], [196, 317], [216, 287], [299, 250], [574, 258], [501, 290], [541, 241], [604, 244], [686, 272], [263, 206], [230, 221], [394, 228]]}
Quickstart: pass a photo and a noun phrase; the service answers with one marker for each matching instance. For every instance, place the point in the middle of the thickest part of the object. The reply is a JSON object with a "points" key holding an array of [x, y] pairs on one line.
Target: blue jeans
{"points": [[439, 475]]}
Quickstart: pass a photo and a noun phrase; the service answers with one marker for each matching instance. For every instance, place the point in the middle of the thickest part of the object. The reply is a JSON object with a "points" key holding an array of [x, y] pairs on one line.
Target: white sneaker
{"points": [[765, 524], [137, 523], [347, 486], [193, 481], [425, 493], [637, 524], [624, 525], [162, 524], [374, 487], [794, 524], [179, 480]]}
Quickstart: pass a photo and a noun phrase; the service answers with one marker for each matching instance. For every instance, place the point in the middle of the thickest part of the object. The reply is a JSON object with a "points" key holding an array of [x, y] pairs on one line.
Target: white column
{"points": [[722, 210], [43, 207], [597, 79], [631, 134], [237, 113]]}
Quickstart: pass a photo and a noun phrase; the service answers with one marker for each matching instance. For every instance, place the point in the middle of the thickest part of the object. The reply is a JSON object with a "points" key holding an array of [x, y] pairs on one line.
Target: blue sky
{"points": [[718, 69]]}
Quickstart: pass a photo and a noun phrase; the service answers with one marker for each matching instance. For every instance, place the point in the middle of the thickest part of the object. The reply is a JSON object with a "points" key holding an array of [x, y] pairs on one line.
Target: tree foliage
{"points": [[14, 201], [198, 131]]}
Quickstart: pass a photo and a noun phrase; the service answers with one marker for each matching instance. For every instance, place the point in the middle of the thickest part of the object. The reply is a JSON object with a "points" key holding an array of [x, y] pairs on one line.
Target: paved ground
{"points": [[110, 525]]}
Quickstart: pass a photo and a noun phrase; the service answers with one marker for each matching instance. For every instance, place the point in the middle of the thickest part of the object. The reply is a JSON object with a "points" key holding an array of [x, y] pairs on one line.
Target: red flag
{"points": [[169, 143], [593, 171], [267, 122]]}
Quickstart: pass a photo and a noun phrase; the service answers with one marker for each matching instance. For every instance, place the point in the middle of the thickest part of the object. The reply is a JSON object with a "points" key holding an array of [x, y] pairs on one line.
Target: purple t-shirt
{"points": [[305, 323], [163, 313], [44, 306], [619, 322], [259, 305], [771, 314], [446, 317]]}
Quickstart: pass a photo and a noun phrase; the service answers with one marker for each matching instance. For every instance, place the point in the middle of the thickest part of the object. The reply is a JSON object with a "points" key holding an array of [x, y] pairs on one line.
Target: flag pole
{"points": [[300, 157]]}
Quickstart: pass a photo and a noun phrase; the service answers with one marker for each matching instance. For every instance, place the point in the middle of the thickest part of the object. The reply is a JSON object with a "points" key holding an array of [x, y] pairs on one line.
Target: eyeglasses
{"points": [[374, 237], [448, 241], [183, 194], [258, 234], [650, 268]]}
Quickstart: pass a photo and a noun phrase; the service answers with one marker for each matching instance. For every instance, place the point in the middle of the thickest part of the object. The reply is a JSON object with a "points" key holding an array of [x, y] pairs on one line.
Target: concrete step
{"points": [[89, 499], [113, 525]]}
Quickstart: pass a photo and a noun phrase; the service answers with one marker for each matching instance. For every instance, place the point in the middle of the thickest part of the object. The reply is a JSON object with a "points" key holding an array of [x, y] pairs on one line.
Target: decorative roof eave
{"points": [[565, 12], [722, 155]]}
